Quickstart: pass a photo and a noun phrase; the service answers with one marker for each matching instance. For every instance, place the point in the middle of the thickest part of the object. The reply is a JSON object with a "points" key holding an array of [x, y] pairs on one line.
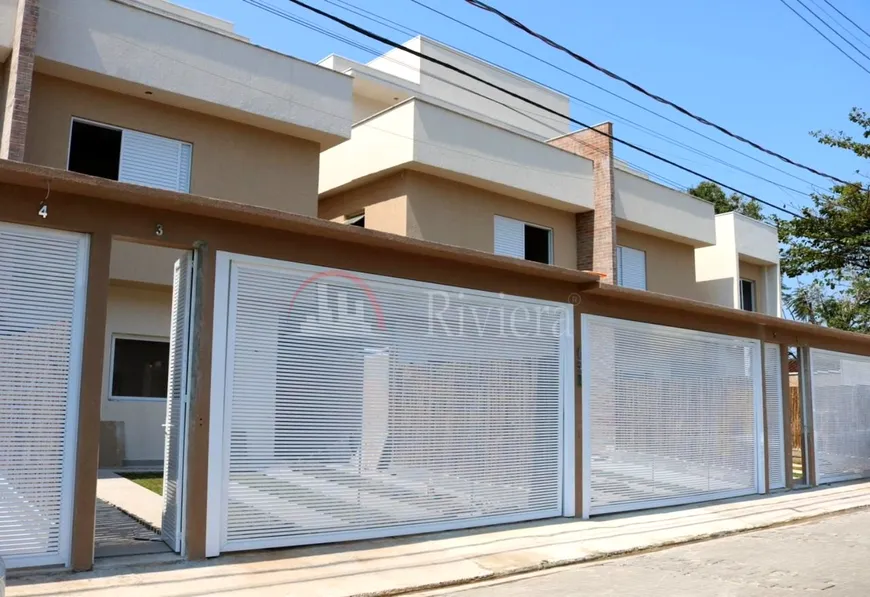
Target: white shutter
{"points": [[43, 277], [358, 406], [773, 403], [631, 268], [671, 416], [177, 401], [154, 161], [841, 415], [510, 237]]}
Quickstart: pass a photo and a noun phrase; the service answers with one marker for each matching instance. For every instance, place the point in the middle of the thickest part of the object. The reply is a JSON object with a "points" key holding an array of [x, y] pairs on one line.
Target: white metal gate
{"points": [[177, 403], [776, 441], [670, 416], [356, 406], [42, 296], [841, 415]]}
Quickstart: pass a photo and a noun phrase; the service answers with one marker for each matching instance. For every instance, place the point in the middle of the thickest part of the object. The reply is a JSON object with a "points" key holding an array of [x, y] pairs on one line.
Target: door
{"points": [[42, 298], [177, 401], [357, 406]]}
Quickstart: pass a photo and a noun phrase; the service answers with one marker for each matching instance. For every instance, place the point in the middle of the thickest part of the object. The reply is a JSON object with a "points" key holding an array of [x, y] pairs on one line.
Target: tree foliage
{"points": [[831, 242], [722, 203]]}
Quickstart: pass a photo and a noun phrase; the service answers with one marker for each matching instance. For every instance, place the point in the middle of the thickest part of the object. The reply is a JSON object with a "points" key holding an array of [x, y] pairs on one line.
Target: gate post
{"points": [[90, 395], [809, 428], [786, 415], [196, 464]]}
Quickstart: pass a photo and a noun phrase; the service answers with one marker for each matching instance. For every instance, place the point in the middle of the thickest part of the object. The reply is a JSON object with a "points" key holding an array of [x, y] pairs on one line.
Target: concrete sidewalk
{"points": [[401, 565], [130, 497]]}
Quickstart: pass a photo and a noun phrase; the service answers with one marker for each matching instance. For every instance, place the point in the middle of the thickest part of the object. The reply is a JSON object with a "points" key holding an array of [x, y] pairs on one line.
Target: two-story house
{"points": [[431, 157], [145, 91]]}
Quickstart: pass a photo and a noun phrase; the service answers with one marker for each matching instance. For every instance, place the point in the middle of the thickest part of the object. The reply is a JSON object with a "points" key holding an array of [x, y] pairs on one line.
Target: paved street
{"points": [[830, 555]]}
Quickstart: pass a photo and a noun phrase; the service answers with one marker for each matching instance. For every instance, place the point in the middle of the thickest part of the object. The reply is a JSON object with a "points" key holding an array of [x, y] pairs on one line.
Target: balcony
{"points": [[646, 206], [418, 135], [755, 241]]}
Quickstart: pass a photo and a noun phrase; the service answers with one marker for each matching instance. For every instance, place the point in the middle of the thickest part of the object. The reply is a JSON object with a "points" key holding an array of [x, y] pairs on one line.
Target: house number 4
{"points": [[43, 210]]}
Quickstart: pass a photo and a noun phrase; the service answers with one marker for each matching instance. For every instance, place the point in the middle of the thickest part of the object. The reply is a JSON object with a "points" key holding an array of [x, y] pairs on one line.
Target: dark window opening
{"points": [[747, 295], [357, 220], [140, 368], [537, 241], [95, 150]]}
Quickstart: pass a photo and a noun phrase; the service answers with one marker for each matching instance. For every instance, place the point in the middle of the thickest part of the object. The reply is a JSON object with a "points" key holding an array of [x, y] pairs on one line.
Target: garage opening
{"points": [[671, 416], [355, 406]]}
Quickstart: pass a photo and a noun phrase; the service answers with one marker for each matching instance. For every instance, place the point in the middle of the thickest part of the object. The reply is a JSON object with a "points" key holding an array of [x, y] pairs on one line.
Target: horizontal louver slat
{"points": [[366, 406], [154, 161]]}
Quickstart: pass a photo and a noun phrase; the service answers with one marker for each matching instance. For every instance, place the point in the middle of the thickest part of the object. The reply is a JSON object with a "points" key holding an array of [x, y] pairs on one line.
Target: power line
{"points": [[828, 39], [609, 92], [636, 87], [399, 27], [842, 14], [447, 65], [828, 25], [839, 23]]}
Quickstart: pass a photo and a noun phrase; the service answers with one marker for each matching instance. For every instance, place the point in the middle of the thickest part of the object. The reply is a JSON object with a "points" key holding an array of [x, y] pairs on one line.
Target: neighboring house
{"points": [[148, 92], [430, 159]]}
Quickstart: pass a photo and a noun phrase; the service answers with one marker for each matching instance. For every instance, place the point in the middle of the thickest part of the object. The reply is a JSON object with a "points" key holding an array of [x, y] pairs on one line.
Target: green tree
{"points": [[831, 242], [722, 203]]}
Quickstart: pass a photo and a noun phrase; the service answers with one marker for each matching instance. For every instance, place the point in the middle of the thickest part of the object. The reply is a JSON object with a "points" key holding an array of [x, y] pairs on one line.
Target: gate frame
{"points": [[219, 428]]}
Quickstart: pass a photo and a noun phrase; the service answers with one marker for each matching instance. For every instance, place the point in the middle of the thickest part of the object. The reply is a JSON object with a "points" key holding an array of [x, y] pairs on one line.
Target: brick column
{"points": [[596, 230], [19, 78]]}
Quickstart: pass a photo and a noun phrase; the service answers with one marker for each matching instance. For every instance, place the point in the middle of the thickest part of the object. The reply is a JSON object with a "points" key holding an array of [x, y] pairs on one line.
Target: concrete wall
{"points": [[363, 107], [8, 9], [383, 201], [456, 214], [670, 266], [142, 312], [119, 46], [230, 160]]}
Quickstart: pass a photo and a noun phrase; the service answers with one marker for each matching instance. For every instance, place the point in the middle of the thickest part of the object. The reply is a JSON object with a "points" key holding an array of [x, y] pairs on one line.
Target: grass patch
{"points": [[150, 481]]}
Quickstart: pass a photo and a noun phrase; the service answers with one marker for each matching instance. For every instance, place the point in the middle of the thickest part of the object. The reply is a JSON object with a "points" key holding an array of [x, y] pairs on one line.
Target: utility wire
{"points": [[612, 93], [840, 24], [828, 25], [828, 39], [842, 14], [484, 6], [447, 65]]}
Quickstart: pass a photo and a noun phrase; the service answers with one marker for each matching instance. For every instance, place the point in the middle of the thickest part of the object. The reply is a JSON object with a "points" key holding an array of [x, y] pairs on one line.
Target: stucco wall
{"points": [[670, 266], [230, 160], [456, 214], [145, 313], [384, 202], [363, 107]]}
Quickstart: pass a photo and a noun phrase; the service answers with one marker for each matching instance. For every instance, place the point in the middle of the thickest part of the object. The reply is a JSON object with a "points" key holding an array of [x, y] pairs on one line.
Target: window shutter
{"points": [[773, 404], [631, 268], [154, 161], [510, 237]]}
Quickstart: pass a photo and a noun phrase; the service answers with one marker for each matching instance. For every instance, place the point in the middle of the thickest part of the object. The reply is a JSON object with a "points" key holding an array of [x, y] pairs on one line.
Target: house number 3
{"points": [[158, 230]]}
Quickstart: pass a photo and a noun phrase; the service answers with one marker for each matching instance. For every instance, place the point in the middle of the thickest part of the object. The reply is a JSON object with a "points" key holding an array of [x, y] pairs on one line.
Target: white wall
{"points": [[146, 313], [717, 268], [115, 43], [143, 263]]}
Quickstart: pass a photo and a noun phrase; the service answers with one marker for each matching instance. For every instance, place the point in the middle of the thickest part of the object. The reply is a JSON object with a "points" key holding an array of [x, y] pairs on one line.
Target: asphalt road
{"points": [[827, 557]]}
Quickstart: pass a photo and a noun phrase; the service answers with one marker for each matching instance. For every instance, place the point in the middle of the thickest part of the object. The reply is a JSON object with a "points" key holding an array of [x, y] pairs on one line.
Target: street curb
{"points": [[611, 555]]}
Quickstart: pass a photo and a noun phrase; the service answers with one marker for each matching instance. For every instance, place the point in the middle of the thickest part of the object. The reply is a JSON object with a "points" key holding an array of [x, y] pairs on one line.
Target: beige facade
{"points": [[230, 160], [670, 265], [756, 273], [434, 209]]}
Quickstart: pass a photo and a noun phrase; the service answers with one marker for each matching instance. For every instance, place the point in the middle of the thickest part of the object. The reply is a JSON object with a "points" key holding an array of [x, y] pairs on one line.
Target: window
{"points": [[747, 295], [129, 156], [514, 238], [631, 268], [356, 220], [140, 368]]}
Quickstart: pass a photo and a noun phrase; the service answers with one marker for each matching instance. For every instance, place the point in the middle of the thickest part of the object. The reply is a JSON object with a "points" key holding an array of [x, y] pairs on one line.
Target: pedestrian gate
{"points": [[42, 297], [357, 406]]}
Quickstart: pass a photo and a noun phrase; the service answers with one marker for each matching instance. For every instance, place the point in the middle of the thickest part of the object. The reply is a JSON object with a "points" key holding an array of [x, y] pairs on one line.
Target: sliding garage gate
{"points": [[42, 286], [841, 415], [357, 406], [670, 416]]}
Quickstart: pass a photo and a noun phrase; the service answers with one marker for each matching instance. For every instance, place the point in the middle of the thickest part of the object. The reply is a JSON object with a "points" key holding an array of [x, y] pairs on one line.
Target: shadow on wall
{"points": [[718, 292]]}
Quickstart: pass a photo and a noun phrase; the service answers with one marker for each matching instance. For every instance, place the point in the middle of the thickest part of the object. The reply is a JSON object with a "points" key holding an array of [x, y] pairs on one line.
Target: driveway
{"points": [[830, 555]]}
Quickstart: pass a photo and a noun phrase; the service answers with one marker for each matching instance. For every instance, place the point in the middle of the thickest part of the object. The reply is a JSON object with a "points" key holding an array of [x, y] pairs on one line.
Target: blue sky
{"points": [[750, 65]]}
